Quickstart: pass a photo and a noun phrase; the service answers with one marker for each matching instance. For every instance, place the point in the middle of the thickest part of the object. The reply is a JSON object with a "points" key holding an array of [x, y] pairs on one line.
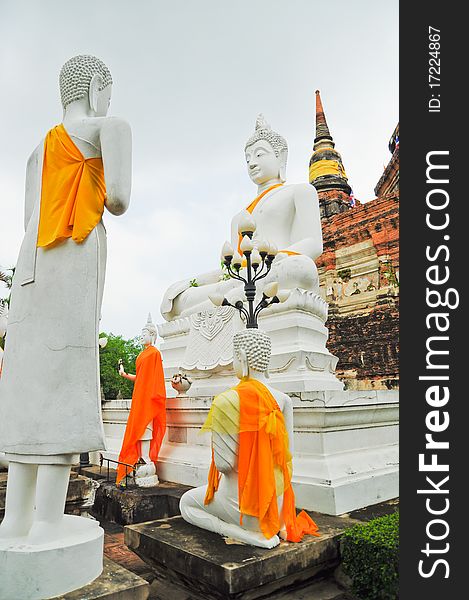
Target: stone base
{"points": [[136, 505], [215, 568], [114, 583], [346, 446], [208, 566], [201, 346], [48, 570]]}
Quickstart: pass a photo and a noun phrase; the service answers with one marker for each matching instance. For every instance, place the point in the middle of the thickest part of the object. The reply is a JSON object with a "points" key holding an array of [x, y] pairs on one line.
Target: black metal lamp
{"points": [[258, 265]]}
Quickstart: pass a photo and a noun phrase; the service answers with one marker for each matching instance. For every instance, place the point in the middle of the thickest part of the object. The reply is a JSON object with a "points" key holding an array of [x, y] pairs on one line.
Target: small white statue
{"points": [[249, 496], [146, 424], [286, 215]]}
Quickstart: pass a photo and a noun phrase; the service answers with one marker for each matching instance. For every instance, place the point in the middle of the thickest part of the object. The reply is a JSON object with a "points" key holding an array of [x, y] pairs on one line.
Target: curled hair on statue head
{"points": [[151, 328], [253, 348], [76, 75], [263, 131]]}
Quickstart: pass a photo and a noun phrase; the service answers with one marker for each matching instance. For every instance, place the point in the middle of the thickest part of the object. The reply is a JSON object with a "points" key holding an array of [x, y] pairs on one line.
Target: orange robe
{"points": [[73, 191], [148, 406], [263, 449]]}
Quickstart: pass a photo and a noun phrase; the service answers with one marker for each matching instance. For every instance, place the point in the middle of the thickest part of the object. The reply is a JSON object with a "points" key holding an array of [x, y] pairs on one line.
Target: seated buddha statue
{"points": [[286, 215], [249, 496]]}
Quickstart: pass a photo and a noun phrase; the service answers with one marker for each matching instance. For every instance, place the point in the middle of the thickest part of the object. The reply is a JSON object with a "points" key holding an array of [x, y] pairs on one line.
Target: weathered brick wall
{"points": [[377, 219], [367, 346]]}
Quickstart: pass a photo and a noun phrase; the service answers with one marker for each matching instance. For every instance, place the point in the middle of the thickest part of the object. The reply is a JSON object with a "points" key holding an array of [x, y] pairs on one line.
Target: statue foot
{"points": [[253, 538], [146, 476], [14, 528], [44, 532]]}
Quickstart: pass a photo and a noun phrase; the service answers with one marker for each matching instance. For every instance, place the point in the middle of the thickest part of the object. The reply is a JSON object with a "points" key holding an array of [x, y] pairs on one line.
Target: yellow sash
{"points": [[250, 210], [73, 191]]}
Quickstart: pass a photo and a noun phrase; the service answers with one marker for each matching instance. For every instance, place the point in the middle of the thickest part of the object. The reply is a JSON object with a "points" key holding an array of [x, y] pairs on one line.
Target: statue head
{"points": [[149, 332], [252, 350], [86, 76], [266, 154]]}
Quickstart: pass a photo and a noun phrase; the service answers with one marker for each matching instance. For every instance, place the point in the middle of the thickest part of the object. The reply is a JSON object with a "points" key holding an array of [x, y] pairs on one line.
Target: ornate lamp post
{"points": [[259, 260]]}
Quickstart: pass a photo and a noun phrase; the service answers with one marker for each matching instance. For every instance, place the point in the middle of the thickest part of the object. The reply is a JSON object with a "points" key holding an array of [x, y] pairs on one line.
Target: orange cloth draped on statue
{"points": [[73, 191], [263, 448], [250, 209], [148, 406]]}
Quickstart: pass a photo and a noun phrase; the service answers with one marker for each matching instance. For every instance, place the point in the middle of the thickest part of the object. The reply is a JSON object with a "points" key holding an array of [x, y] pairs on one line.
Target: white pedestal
{"points": [[346, 446], [346, 443], [47, 570], [202, 346]]}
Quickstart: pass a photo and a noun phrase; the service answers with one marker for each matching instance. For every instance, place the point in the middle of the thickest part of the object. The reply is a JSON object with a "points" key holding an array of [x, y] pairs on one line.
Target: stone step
{"points": [[209, 567], [136, 505], [318, 590], [114, 583]]}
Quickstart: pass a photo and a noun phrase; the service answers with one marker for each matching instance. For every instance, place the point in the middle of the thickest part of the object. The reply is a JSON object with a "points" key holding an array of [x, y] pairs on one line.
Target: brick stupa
{"points": [[326, 169]]}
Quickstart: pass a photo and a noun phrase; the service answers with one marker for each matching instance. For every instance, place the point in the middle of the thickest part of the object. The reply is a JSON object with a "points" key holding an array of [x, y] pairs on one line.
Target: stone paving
{"points": [[116, 550]]}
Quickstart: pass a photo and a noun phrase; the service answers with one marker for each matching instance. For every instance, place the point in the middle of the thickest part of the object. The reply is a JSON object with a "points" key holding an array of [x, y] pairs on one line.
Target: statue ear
{"points": [[283, 165], [243, 359], [93, 91]]}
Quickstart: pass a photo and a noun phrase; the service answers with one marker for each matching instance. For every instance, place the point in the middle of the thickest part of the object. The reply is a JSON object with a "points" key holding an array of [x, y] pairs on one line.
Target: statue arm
{"points": [[225, 451], [306, 231], [116, 148], [234, 230], [225, 431], [128, 376]]}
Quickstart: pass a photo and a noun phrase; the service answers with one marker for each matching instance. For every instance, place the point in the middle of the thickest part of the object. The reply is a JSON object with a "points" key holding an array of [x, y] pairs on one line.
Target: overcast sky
{"points": [[190, 77]]}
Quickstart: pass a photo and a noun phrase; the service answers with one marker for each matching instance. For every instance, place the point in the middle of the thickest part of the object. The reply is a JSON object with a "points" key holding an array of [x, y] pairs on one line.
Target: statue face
{"points": [[146, 337], [263, 164]]}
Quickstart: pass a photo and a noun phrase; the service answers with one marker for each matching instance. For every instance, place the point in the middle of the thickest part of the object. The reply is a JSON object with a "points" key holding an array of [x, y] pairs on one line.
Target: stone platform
{"points": [[346, 446], [114, 583], [136, 505], [193, 563]]}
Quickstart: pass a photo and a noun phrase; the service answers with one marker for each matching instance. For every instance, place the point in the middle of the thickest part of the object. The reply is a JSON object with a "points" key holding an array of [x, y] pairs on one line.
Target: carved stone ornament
{"points": [[210, 342]]}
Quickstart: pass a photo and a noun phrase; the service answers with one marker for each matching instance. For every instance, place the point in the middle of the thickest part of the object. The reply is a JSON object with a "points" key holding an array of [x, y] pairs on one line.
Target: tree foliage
{"points": [[117, 347], [6, 278]]}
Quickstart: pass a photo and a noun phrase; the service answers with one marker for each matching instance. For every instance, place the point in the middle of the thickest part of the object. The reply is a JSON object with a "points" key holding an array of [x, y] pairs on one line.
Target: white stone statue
{"points": [[50, 389], [223, 512], [287, 215]]}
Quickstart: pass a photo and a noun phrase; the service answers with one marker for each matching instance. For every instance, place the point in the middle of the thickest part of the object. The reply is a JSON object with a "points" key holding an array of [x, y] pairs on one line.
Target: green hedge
{"points": [[370, 557]]}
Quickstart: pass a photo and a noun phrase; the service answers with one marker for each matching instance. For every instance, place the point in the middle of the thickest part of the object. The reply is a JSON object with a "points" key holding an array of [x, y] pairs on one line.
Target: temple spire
{"points": [[322, 130], [326, 170]]}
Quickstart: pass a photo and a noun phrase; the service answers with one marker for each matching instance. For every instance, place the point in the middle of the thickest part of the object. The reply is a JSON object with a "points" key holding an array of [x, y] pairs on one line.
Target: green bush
{"points": [[370, 555]]}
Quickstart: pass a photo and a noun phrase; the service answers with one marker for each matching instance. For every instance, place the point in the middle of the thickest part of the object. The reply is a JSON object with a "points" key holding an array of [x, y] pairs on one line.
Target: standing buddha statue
{"points": [[146, 424]]}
